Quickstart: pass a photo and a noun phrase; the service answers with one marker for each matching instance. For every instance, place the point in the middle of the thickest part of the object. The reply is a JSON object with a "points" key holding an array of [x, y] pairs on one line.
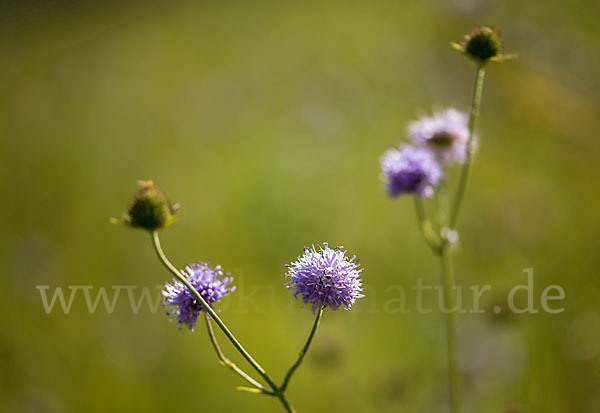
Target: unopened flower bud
{"points": [[150, 208], [483, 44]]}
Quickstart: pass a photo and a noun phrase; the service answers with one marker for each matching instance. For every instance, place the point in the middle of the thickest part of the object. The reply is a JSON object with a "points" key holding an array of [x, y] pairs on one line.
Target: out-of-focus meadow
{"points": [[265, 121]]}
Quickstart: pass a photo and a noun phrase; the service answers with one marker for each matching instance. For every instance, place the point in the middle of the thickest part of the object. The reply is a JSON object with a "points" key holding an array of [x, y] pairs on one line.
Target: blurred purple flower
{"points": [[410, 169], [445, 134], [208, 281], [325, 277]]}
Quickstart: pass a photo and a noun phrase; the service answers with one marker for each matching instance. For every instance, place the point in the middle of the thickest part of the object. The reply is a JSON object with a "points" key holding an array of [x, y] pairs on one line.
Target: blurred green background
{"points": [[265, 120]]}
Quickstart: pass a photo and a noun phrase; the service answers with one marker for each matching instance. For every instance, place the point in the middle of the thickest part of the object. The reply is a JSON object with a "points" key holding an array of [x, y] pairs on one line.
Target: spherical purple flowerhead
{"points": [[410, 169], [325, 277], [210, 282], [445, 133]]}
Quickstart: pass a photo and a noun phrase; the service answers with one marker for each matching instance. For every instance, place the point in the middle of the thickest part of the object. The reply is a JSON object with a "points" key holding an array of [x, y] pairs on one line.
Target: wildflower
{"points": [[325, 277], [445, 133], [150, 208], [410, 169], [211, 283]]}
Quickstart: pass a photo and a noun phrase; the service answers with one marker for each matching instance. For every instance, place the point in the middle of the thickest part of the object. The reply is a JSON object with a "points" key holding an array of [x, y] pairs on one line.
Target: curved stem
{"points": [[228, 363], [208, 309], [292, 369], [425, 226], [464, 174]]}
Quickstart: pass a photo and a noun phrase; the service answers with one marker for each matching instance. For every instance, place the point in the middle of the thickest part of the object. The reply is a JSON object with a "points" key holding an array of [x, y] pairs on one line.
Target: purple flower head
{"points": [[445, 134], [208, 281], [325, 277], [410, 169]]}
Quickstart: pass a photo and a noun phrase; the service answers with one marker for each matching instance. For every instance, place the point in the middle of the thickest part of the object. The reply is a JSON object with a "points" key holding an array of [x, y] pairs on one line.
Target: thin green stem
{"points": [[208, 309], [449, 301], [286, 403], [292, 369], [464, 174], [441, 208], [425, 226], [230, 364]]}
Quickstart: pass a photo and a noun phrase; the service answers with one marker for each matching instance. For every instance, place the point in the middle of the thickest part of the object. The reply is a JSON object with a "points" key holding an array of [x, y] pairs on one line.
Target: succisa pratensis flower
{"points": [[325, 277], [210, 282], [410, 170], [445, 133]]}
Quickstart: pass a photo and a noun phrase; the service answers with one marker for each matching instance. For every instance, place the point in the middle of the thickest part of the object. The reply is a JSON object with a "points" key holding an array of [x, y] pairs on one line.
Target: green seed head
{"points": [[150, 208], [483, 43]]}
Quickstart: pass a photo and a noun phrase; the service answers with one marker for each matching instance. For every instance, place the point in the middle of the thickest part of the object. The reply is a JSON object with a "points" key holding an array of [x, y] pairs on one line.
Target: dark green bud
{"points": [[483, 45], [150, 208]]}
